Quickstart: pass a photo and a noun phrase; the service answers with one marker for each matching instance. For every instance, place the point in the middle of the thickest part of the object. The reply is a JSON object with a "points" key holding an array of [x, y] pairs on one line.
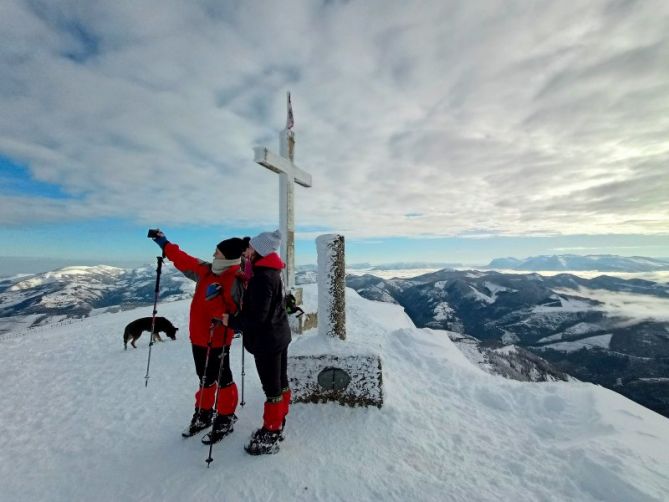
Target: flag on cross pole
{"points": [[290, 121]]}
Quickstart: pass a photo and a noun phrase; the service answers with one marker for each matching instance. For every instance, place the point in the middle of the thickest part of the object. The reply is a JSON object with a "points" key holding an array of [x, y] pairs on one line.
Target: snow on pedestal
{"points": [[333, 368]]}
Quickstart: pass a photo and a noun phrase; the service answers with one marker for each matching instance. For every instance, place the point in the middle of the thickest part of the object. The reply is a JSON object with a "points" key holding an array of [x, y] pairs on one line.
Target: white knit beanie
{"points": [[266, 242]]}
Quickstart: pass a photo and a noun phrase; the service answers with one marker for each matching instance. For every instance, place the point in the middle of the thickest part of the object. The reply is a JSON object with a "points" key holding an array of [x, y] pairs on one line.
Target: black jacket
{"points": [[263, 319]]}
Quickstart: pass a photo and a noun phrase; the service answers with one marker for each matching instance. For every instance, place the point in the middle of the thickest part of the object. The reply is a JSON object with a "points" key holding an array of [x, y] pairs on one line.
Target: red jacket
{"points": [[202, 311]]}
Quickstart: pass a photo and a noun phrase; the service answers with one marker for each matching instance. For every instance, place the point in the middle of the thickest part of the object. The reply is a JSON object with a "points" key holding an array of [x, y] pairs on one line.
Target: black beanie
{"points": [[232, 248]]}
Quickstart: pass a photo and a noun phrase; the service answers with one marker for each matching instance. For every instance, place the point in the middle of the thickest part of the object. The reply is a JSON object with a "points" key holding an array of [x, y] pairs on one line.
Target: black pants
{"points": [[200, 358], [273, 373]]}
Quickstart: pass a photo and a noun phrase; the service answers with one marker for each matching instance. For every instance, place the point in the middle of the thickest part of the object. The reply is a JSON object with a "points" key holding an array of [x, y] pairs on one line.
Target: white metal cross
{"points": [[289, 174]]}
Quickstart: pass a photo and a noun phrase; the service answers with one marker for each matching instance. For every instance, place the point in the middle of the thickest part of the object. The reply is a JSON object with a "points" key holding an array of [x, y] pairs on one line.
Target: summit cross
{"points": [[289, 174]]}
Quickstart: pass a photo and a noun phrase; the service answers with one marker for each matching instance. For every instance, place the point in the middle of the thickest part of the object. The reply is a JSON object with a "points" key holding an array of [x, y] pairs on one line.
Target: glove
{"points": [[222, 321], [213, 290], [161, 240]]}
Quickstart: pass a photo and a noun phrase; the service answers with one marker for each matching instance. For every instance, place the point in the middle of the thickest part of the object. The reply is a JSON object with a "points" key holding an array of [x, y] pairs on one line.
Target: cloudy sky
{"points": [[443, 130]]}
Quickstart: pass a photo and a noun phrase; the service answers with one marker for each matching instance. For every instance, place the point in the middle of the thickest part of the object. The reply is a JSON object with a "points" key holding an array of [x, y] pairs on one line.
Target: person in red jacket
{"points": [[264, 322], [218, 291]]}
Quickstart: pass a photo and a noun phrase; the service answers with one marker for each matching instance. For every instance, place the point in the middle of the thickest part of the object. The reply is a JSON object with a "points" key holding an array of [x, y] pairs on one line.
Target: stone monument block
{"points": [[323, 365]]}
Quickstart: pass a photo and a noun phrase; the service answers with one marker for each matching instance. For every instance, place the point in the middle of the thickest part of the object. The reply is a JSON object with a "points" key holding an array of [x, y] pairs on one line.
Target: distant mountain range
{"points": [[547, 263], [564, 319], [570, 262], [74, 292], [407, 265]]}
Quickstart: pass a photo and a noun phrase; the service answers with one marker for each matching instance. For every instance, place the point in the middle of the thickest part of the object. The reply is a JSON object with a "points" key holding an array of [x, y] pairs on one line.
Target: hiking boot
{"points": [[263, 442], [200, 421], [222, 427]]}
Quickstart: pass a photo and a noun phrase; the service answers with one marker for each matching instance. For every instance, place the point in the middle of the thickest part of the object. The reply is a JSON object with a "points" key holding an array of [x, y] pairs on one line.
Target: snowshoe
{"points": [[200, 421], [282, 434], [263, 442], [221, 427]]}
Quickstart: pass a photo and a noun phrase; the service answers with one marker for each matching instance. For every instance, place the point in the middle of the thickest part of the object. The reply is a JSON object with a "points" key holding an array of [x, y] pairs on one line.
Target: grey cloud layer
{"points": [[445, 118]]}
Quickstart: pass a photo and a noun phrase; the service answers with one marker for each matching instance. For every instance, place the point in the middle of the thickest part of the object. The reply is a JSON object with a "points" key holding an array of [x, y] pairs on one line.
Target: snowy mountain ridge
{"points": [[76, 292], [83, 426], [567, 262]]}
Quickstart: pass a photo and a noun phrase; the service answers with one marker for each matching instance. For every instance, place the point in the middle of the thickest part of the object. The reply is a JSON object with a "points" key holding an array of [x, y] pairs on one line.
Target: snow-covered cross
{"points": [[289, 174]]}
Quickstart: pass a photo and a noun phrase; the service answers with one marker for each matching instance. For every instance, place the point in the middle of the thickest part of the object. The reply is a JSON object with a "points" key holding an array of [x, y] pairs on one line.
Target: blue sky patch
{"points": [[16, 179]]}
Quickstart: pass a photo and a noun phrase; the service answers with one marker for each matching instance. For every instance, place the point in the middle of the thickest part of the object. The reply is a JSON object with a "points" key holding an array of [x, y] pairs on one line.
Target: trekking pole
{"points": [[206, 365], [159, 269], [224, 354], [243, 372]]}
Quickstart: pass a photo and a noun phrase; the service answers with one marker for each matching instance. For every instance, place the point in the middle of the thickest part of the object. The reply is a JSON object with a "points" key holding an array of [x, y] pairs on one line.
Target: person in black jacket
{"points": [[264, 324]]}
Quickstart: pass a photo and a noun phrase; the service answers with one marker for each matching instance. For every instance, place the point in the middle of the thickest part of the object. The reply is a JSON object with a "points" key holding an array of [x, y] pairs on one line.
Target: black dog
{"points": [[135, 329]]}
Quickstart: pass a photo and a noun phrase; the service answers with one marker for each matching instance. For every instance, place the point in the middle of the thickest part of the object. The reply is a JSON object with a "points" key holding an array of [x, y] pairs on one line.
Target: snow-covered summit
{"points": [[80, 425]]}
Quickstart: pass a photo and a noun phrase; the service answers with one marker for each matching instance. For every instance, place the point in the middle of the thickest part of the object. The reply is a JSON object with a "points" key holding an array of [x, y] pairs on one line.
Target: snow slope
{"points": [[602, 341], [79, 424]]}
